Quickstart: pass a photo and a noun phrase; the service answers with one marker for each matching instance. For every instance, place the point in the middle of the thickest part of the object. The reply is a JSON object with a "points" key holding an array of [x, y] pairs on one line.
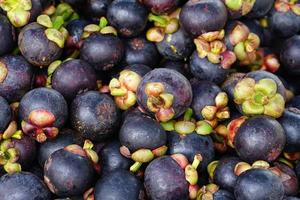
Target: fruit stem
{"points": [[135, 167], [159, 19], [188, 114]]}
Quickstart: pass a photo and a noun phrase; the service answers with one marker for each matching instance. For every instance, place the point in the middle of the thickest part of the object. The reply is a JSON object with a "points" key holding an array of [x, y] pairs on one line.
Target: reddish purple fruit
{"points": [[201, 16], [16, 77], [43, 112], [164, 93], [74, 77]]}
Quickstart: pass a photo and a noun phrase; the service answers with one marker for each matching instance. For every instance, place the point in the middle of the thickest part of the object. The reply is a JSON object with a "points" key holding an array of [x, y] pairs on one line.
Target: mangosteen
{"points": [[260, 93], [284, 18], [123, 88], [23, 185], [141, 138], [112, 159], [69, 171], [258, 184], [65, 138], [161, 6], [164, 93], [119, 184], [224, 173], [209, 102], [176, 46], [129, 17], [36, 47], [7, 36], [260, 8], [95, 116], [259, 138], [5, 115], [103, 52], [291, 126], [74, 77], [16, 77], [289, 56], [171, 178], [238, 9], [43, 111], [140, 51], [198, 17], [94, 9]]}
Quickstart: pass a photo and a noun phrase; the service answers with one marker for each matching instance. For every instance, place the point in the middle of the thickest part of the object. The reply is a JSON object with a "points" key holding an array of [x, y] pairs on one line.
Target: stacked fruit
{"points": [[149, 99]]}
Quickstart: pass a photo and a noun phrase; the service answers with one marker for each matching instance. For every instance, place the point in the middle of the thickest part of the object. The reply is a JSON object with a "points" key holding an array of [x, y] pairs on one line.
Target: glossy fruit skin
{"points": [[178, 66], [18, 79], [119, 184], [165, 180], [140, 51], [35, 46], [223, 195], [36, 9], [23, 185], [259, 138], [284, 24], [175, 84], [112, 159], [205, 70], [198, 17], [289, 56], [176, 46], [95, 116], [160, 6], [5, 114], [47, 99], [224, 175], [229, 84], [103, 52], [7, 35], [27, 149], [258, 184], [291, 198], [288, 178], [190, 145], [140, 131], [260, 8], [68, 174], [204, 94], [129, 17], [94, 9], [74, 40], [65, 138], [74, 77], [291, 126]]}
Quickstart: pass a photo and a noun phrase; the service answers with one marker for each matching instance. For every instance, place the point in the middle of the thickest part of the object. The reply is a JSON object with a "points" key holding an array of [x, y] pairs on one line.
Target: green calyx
{"points": [[207, 192], [146, 155], [245, 6], [51, 69], [234, 4], [191, 174], [211, 168], [91, 154], [18, 11], [102, 28], [169, 24], [55, 31], [9, 156], [259, 98]]}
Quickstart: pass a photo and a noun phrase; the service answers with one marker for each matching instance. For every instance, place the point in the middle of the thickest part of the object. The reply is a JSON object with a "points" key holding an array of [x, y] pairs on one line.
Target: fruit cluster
{"points": [[149, 99]]}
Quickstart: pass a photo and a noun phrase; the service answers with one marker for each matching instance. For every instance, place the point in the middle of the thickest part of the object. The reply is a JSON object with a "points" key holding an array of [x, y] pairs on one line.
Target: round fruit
{"points": [[23, 185], [43, 112], [198, 17], [16, 78], [258, 184], [259, 138], [95, 116], [120, 184]]}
